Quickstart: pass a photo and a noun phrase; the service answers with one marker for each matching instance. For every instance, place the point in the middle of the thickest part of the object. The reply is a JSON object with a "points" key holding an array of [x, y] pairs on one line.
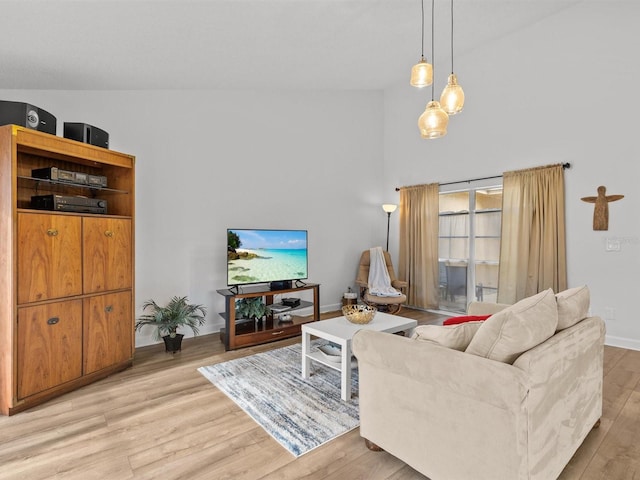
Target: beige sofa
{"points": [[456, 415]]}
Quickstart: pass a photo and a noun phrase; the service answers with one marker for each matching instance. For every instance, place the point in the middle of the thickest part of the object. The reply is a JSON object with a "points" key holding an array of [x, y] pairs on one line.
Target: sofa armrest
{"points": [[566, 375]]}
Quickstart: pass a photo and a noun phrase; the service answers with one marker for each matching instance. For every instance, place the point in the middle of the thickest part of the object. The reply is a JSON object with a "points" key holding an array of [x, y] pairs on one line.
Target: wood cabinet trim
{"points": [[39, 143]]}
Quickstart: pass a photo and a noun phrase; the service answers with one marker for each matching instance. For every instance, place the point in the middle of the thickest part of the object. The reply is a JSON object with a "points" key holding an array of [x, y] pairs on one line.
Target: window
{"points": [[469, 246]]}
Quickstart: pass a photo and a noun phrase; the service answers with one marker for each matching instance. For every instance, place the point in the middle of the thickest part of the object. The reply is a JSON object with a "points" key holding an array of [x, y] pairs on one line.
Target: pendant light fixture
{"points": [[452, 98], [433, 122], [422, 72]]}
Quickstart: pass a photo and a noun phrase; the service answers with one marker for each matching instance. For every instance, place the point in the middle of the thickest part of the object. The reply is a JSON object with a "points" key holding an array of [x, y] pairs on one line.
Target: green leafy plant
{"points": [[251, 308], [167, 319]]}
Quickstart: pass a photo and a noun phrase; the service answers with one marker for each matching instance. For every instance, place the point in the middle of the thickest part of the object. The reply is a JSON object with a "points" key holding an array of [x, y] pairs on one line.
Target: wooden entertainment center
{"points": [[237, 334], [66, 277]]}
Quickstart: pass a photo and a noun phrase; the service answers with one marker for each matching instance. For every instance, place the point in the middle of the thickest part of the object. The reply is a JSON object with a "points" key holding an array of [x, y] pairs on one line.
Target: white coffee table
{"points": [[340, 331]]}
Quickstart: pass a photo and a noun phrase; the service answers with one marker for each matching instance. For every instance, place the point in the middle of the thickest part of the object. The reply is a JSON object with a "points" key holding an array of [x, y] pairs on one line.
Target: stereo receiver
{"points": [[67, 176], [67, 203]]}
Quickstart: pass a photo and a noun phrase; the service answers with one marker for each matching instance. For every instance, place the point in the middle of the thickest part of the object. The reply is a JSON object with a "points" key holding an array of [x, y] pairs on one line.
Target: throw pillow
{"points": [[573, 306], [464, 319], [456, 337], [516, 329]]}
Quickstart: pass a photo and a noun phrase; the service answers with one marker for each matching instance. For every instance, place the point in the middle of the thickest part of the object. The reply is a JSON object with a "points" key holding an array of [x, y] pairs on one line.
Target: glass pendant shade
{"points": [[421, 74], [433, 122], [452, 98]]}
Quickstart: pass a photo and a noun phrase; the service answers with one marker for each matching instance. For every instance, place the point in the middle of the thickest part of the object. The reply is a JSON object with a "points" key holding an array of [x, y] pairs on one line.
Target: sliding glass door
{"points": [[469, 246]]}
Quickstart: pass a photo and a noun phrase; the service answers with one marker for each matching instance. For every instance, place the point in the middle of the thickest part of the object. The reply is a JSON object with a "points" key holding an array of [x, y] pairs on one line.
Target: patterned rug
{"points": [[300, 414]]}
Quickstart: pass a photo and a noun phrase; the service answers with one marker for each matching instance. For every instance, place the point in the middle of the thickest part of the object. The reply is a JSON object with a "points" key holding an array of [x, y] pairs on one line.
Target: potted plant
{"points": [[167, 319], [252, 308]]}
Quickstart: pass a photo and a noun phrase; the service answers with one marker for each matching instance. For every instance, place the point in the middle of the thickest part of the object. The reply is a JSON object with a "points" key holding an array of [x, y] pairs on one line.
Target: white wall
{"points": [[563, 90], [209, 160]]}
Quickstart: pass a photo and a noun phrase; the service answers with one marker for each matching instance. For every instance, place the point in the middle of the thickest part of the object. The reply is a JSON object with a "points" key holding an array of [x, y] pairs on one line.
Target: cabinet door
{"points": [[108, 331], [107, 258], [49, 346], [49, 256]]}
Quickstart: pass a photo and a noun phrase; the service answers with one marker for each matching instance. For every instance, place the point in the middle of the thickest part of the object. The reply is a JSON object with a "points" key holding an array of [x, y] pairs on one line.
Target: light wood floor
{"points": [[162, 420]]}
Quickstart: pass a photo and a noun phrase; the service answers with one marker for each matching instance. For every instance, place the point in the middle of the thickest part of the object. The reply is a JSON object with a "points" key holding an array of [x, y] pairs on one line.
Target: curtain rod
{"points": [[564, 167]]}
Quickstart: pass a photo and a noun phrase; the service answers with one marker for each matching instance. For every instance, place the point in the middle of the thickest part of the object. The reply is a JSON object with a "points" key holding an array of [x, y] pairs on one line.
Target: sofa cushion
{"points": [[516, 329], [456, 337], [464, 319], [573, 306]]}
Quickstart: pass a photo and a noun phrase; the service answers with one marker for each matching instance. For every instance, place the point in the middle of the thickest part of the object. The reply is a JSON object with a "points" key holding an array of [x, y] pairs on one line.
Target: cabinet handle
{"points": [[52, 232], [108, 233], [108, 308], [277, 333], [53, 321]]}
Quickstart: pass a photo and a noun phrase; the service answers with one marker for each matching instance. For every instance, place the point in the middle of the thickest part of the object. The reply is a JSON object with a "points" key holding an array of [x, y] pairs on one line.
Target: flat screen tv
{"points": [[276, 257]]}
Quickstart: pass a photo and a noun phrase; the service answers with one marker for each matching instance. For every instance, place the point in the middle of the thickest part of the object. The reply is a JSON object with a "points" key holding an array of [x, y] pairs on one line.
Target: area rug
{"points": [[301, 414]]}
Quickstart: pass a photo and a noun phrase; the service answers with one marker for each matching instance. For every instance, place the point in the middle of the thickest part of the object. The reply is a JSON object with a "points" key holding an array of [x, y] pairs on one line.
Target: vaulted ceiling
{"points": [[242, 44]]}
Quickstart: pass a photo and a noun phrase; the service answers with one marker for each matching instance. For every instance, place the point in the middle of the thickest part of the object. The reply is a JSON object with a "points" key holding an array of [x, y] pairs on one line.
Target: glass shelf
{"points": [[58, 186]]}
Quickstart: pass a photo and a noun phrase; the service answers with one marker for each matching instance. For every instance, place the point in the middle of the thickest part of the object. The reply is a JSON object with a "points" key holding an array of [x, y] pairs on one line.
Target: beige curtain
{"points": [[419, 244], [532, 247]]}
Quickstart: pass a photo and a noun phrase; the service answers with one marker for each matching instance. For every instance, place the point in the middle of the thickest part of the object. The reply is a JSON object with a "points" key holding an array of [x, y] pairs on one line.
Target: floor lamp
{"points": [[389, 208]]}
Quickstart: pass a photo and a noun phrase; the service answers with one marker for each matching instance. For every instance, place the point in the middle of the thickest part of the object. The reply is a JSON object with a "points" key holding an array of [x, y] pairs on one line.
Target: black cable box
{"points": [[291, 302], [68, 203]]}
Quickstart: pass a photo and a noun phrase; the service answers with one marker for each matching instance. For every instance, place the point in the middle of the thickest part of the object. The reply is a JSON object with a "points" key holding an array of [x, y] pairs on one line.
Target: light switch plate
{"points": [[613, 245]]}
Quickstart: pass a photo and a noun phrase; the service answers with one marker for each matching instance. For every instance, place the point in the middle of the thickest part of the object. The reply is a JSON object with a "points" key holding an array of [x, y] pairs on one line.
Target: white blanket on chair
{"points": [[379, 280]]}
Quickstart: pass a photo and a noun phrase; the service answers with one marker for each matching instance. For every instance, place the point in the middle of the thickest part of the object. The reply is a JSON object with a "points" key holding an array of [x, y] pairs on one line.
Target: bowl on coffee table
{"points": [[359, 313]]}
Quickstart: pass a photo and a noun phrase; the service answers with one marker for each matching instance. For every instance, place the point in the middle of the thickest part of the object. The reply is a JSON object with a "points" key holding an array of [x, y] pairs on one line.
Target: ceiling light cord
{"points": [[422, 51], [451, 36], [452, 98], [433, 58]]}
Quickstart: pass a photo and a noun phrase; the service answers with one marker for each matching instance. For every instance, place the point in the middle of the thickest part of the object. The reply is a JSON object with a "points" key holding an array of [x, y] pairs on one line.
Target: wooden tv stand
{"points": [[237, 334]]}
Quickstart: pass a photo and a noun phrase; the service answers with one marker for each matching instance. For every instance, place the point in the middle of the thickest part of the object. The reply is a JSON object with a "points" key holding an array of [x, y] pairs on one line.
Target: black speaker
{"points": [[25, 115], [86, 134]]}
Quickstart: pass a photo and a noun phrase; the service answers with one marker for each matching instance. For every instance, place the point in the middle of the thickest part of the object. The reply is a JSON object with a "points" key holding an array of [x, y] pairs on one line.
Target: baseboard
{"points": [[331, 308], [622, 342]]}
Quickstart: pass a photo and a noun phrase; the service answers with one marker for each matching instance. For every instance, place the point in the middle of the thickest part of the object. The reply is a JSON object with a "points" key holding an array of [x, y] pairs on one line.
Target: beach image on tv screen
{"points": [[257, 256]]}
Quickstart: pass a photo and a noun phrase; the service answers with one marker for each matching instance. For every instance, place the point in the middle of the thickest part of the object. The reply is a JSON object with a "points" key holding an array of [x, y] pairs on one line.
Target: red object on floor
{"points": [[465, 318]]}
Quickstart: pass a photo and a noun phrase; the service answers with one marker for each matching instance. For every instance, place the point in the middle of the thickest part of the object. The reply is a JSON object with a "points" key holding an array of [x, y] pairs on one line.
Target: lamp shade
{"points": [[452, 98], [433, 121], [422, 74], [389, 207]]}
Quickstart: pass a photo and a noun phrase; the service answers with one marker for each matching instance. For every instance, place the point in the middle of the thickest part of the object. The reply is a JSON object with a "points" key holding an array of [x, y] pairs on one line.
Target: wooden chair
{"points": [[384, 304]]}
